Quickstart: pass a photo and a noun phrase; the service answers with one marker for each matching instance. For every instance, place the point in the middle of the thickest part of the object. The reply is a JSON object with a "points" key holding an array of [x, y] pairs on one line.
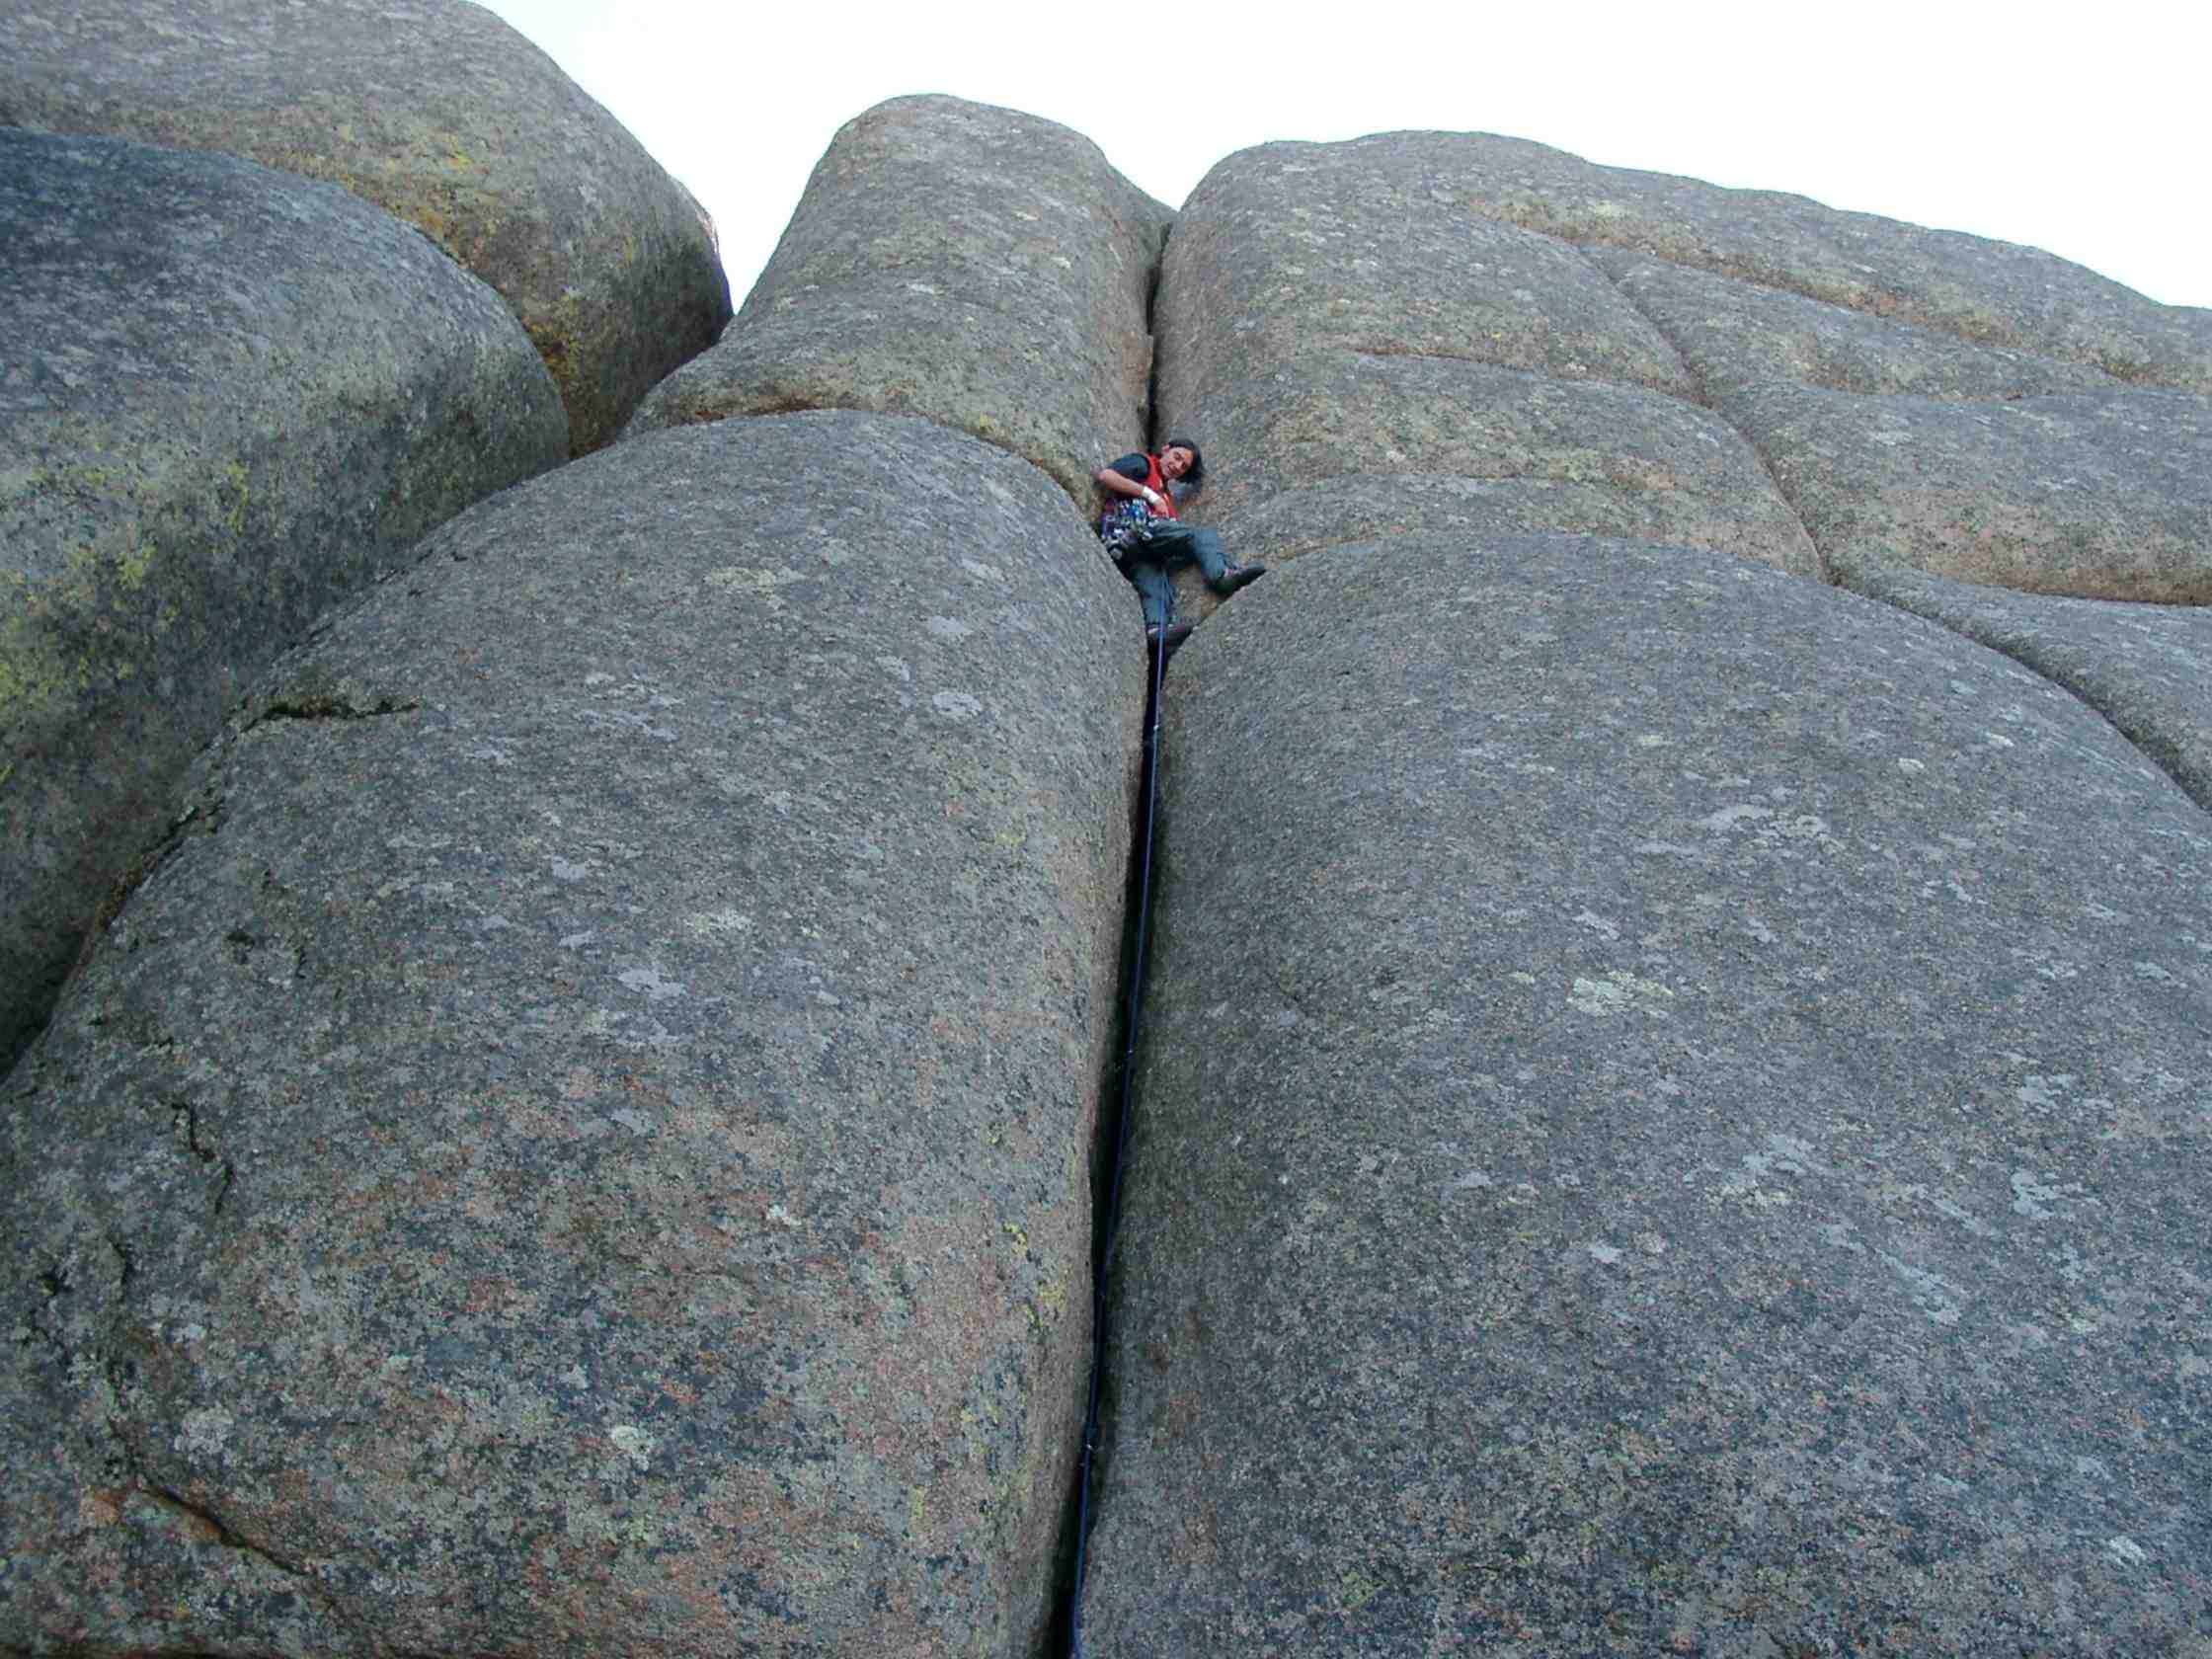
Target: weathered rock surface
{"points": [[583, 1147], [976, 266], [1365, 354], [1735, 335], [434, 110], [1338, 447], [1657, 1136], [1289, 248], [2102, 495], [1988, 464], [227, 397], [1785, 382], [1675, 1111], [2147, 668], [1994, 293]]}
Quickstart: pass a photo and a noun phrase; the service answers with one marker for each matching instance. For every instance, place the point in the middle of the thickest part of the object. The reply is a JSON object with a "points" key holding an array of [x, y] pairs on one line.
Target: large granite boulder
{"points": [[1900, 443], [976, 266], [1994, 293], [1339, 445], [2102, 495], [227, 397], [2145, 668], [582, 1148], [1673, 1112], [439, 113], [1742, 371], [1290, 248], [1362, 353], [1672, 1121], [1736, 336]]}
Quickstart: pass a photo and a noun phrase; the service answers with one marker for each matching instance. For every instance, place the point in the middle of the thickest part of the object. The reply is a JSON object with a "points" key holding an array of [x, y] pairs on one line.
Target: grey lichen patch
{"points": [[1619, 993]]}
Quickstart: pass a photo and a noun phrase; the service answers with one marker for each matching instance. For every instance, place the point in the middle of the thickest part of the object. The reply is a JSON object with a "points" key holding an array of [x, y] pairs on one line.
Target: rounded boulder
{"points": [[228, 397], [439, 113], [582, 1148]]}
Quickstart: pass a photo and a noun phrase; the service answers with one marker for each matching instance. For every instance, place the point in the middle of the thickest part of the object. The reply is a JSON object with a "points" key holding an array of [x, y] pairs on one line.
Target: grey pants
{"points": [[1155, 553]]}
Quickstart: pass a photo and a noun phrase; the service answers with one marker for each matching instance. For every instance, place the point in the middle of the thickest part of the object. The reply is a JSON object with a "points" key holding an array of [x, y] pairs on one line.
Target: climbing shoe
{"points": [[1241, 576], [1178, 633]]}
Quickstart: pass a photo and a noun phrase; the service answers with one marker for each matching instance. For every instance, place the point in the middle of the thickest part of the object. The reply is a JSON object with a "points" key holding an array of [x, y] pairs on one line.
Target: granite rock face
{"points": [[1344, 444], [971, 264], [1985, 464], [1293, 248], [1366, 352], [227, 398], [1656, 1136], [1672, 1116], [1736, 336], [583, 1146], [1994, 293], [1845, 391], [2102, 495], [437, 111], [2145, 668]]}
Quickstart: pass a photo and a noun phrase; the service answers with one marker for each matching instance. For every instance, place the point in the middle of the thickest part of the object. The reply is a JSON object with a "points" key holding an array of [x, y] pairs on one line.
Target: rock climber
{"points": [[1140, 531]]}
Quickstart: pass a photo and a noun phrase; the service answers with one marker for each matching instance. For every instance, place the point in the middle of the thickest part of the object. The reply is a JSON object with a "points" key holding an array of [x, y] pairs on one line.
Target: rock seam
{"points": [[1110, 1138], [1704, 402], [2151, 750]]}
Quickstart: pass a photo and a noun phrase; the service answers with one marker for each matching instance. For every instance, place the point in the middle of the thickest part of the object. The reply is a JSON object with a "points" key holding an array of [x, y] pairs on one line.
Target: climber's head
{"points": [[1180, 463]]}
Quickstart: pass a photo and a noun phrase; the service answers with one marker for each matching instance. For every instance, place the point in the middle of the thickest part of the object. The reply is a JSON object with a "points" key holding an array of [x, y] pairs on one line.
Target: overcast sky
{"points": [[2081, 132]]}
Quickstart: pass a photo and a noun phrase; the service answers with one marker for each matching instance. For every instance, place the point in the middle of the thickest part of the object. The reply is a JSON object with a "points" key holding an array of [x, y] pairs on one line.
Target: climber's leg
{"points": [[1157, 589], [1169, 541]]}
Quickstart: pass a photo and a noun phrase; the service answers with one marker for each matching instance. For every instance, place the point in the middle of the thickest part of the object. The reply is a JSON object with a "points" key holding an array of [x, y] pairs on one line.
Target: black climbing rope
{"points": [[1133, 1005]]}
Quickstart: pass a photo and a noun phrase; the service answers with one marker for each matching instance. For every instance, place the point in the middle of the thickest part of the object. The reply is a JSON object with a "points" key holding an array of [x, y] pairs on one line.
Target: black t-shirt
{"points": [[1135, 468]]}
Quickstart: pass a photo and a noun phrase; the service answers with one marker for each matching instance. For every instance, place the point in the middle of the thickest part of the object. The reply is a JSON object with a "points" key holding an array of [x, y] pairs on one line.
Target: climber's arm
{"points": [[1116, 482]]}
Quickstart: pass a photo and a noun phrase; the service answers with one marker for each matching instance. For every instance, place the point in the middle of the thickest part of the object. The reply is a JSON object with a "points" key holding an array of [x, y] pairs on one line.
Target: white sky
{"points": [[2083, 130]]}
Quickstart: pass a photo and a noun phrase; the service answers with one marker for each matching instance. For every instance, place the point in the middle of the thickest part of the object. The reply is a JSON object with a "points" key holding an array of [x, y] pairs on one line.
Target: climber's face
{"points": [[1175, 461]]}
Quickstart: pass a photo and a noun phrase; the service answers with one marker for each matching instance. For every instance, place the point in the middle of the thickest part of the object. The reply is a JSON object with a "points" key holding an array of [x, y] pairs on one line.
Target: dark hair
{"points": [[1196, 477]]}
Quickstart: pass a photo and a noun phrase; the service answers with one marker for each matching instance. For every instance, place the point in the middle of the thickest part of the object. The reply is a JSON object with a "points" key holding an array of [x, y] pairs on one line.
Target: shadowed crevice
{"points": [[1152, 332], [203, 818], [1116, 1097], [1109, 1136], [328, 708], [206, 1522]]}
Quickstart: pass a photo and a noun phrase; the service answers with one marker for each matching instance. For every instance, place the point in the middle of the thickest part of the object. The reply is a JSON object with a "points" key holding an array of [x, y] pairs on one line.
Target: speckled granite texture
{"points": [[1368, 349], [227, 397], [583, 1147], [2145, 668], [973, 265], [438, 112], [1673, 1122], [1673, 1111], [1741, 370], [1674, 1102]]}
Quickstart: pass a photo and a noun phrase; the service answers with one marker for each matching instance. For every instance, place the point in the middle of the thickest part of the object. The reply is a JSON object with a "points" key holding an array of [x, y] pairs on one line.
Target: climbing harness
{"points": [[1133, 1004]]}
